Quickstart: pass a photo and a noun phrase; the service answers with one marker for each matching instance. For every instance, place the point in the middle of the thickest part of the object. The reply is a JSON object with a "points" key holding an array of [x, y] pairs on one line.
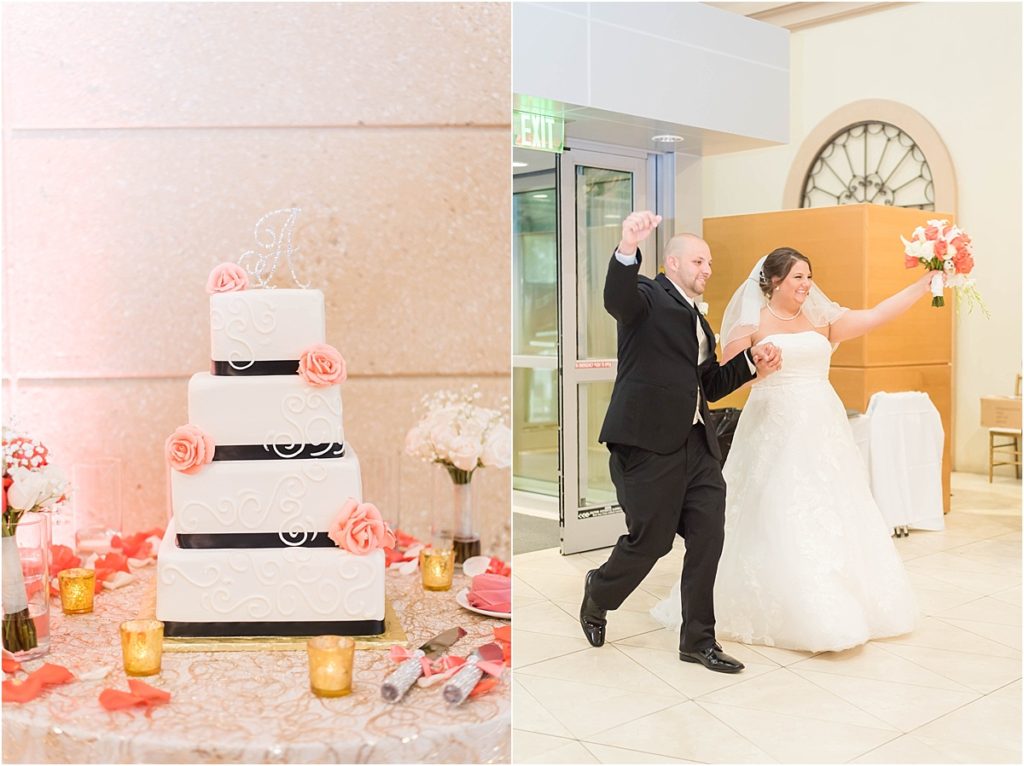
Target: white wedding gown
{"points": [[808, 561]]}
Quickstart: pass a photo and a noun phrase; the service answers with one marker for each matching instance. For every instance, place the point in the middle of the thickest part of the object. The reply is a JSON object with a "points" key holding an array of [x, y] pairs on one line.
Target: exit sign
{"points": [[538, 131]]}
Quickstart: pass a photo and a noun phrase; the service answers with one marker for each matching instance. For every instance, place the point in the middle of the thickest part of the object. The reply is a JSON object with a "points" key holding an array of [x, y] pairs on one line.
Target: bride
{"points": [[808, 562]]}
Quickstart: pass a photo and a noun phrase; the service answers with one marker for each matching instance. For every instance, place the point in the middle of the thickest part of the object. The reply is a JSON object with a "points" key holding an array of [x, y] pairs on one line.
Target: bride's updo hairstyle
{"points": [[777, 265]]}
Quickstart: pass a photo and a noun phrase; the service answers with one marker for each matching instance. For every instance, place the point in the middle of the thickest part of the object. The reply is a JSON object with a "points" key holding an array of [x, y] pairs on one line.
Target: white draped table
{"points": [[255, 706]]}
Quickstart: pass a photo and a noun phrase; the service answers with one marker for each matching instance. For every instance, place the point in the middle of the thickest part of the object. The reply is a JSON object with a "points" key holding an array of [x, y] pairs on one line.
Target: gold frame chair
{"points": [[1010, 448]]}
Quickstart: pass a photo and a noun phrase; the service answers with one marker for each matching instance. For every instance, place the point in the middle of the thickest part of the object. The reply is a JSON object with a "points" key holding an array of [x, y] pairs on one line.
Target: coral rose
{"points": [[188, 449], [360, 529], [321, 365], [227, 278]]}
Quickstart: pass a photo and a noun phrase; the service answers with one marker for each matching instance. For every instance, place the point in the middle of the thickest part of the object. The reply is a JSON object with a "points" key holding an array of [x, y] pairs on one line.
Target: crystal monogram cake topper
{"points": [[273, 244]]}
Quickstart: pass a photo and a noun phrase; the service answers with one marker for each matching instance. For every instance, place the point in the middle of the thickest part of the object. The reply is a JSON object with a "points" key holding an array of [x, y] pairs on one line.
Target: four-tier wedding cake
{"points": [[269, 535]]}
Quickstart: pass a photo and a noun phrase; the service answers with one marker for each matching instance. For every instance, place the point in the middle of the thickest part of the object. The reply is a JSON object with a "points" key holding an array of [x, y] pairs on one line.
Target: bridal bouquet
{"points": [[30, 485], [460, 434], [946, 250]]}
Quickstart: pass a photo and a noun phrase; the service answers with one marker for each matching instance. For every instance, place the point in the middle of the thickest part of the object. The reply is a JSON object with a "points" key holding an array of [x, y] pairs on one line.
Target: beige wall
{"points": [[959, 65], [143, 141]]}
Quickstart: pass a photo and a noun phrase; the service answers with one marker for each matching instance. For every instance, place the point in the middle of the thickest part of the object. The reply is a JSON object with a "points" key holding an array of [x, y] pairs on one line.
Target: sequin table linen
{"points": [[256, 707]]}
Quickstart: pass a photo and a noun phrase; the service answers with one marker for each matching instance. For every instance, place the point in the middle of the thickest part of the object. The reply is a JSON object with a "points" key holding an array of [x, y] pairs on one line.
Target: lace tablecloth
{"points": [[256, 707]]}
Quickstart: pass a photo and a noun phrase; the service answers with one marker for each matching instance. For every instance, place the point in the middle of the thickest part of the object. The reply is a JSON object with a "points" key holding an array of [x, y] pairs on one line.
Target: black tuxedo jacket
{"points": [[658, 377]]}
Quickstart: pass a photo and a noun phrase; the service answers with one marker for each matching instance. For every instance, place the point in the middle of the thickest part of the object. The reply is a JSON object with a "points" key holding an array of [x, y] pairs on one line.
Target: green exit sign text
{"points": [[538, 131]]}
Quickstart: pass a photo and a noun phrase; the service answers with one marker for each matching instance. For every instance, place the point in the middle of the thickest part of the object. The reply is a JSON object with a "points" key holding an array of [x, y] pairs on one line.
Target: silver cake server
{"points": [[462, 683], [404, 676]]}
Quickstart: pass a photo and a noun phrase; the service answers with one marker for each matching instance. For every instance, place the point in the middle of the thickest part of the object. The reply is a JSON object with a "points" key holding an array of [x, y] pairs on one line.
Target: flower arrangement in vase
{"points": [[460, 435], [34, 487]]}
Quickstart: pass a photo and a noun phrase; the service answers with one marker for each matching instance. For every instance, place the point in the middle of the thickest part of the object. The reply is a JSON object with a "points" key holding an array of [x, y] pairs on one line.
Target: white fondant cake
{"points": [[283, 497], [247, 552], [261, 325], [264, 409], [268, 584]]}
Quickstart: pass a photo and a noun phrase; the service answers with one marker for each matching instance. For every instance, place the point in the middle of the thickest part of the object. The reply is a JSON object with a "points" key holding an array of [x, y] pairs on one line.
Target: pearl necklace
{"points": [[779, 316]]}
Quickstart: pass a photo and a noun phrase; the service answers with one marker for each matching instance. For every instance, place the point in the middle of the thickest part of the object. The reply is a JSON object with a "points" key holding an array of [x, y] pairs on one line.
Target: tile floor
{"points": [[950, 692]]}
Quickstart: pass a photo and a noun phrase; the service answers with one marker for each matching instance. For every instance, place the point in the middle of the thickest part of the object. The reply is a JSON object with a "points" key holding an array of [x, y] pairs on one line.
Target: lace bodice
{"points": [[805, 357]]}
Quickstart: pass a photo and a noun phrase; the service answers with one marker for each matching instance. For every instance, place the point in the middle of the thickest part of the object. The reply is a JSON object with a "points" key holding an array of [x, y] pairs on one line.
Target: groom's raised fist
{"points": [[635, 229]]}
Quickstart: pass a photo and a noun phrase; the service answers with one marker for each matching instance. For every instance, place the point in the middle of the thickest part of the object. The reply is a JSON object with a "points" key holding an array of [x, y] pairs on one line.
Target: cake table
{"points": [[255, 706]]}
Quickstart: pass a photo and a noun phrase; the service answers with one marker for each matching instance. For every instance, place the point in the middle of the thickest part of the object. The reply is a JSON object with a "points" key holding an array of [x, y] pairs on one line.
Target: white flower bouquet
{"points": [[460, 434]]}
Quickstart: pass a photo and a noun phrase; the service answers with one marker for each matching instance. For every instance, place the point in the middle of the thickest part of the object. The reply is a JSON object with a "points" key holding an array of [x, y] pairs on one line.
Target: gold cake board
{"points": [[393, 635]]}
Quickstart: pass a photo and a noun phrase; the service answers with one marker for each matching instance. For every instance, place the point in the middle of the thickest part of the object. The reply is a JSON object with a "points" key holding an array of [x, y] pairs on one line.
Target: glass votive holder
{"points": [[330, 665], [77, 587], [437, 568], [142, 645]]}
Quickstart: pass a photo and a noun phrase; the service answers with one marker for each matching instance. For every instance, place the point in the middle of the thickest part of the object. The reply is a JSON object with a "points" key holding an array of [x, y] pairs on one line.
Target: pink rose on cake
{"points": [[227, 278], [321, 365], [360, 529], [188, 449]]}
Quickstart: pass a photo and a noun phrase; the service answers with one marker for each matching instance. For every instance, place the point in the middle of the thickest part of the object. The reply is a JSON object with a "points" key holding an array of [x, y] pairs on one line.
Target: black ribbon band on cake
{"points": [[265, 367], [278, 451], [255, 540], [243, 629]]}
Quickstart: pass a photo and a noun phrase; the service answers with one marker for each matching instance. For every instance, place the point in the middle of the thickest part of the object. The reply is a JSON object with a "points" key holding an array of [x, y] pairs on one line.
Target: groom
{"points": [[664, 461]]}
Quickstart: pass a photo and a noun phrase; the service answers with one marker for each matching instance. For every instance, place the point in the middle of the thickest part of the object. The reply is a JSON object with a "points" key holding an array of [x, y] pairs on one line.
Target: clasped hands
{"points": [[767, 358]]}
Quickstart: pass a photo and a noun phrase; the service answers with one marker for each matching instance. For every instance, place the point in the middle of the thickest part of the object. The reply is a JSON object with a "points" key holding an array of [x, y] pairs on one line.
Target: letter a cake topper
{"points": [[273, 244]]}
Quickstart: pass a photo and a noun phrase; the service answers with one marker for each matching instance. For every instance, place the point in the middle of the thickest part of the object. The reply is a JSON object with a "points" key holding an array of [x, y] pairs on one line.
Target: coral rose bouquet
{"points": [[30, 485], [948, 251]]}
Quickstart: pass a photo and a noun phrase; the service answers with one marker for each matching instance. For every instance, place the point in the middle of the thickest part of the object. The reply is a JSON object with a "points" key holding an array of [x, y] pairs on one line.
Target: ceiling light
{"points": [[668, 138], [517, 164], [539, 196]]}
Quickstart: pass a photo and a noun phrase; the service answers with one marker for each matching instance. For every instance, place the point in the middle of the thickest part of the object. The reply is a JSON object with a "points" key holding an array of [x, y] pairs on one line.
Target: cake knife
{"points": [[462, 683], [404, 676]]}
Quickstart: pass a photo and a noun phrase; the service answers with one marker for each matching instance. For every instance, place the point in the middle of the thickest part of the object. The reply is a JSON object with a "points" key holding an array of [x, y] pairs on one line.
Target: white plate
{"points": [[462, 599]]}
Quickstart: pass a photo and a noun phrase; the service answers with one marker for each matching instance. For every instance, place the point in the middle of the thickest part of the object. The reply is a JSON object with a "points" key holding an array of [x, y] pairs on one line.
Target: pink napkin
{"points": [[492, 592]]}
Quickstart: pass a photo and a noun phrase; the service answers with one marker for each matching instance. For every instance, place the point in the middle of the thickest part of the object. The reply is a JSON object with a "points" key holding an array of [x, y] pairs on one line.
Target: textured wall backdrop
{"points": [[143, 141]]}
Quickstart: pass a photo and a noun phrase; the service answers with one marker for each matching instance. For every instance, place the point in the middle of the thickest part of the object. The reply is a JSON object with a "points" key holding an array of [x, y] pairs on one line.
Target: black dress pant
{"points": [[664, 495]]}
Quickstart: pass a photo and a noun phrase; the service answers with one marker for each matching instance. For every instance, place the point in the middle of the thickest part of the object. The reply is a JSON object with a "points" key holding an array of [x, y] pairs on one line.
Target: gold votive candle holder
{"points": [[437, 568], [142, 645], [330, 665], [77, 587]]}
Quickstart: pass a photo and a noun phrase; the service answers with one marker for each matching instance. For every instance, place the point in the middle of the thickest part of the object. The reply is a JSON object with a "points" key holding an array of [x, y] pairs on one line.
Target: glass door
{"points": [[600, 191], [535, 425]]}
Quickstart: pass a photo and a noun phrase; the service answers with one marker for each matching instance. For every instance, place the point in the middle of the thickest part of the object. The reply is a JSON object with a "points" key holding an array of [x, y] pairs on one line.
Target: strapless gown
{"points": [[808, 561]]}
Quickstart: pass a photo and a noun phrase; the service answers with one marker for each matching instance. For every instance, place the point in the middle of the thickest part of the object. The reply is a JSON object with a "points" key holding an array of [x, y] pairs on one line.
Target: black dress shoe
{"points": [[713, 658], [592, 617]]}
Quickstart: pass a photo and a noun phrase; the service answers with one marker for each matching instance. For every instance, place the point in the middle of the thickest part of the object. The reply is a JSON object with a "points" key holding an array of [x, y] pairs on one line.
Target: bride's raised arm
{"points": [[854, 323]]}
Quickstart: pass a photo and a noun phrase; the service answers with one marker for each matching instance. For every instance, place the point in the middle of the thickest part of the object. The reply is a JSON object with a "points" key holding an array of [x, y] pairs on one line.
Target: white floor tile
{"points": [[983, 673], [690, 678], [604, 666], [948, 634], [988, 721], [547, 618], [791, 739], [1010, 595], [527, 745], [984, 610], [1005, 635], [531, 648], [529, 715], [585, 709], [788, 693], [608, 754], [902, 706], [685, 731], [573, 752], [873, 661]]}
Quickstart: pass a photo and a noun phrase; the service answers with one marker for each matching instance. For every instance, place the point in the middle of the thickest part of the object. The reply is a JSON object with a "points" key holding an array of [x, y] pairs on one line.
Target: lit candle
{"points": [[142, 644], [76, 590], [437, 568], [330, 665]]}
